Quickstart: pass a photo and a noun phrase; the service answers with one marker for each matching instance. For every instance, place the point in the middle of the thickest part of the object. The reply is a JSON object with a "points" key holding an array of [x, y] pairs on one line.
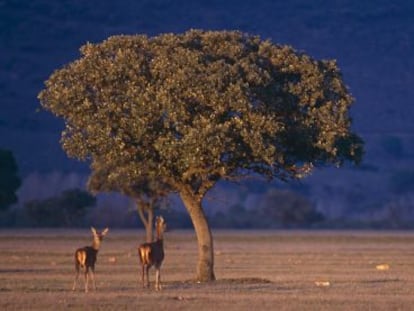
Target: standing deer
{"points": [[85, 258], [152, 254]]}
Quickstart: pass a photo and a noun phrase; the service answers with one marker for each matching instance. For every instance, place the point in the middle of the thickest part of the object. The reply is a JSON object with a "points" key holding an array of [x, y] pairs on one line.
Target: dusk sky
{"points": [[372, 42]]}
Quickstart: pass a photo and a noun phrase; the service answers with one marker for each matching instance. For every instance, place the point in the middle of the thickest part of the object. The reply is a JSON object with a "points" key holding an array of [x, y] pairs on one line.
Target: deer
{"points": [[85, 259], [152, 254]]}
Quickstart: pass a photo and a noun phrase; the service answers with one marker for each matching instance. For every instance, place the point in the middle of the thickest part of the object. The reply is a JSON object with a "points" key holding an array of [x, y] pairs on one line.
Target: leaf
{"points": [[178, 108]]}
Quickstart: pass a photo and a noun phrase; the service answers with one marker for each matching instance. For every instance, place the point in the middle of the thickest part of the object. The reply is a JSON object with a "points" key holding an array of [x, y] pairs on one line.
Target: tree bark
{"points": [[205, 265], [146, 213]]}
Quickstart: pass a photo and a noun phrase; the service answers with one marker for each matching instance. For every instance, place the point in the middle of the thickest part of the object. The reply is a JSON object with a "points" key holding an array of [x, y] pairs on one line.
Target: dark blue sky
{"points": [[371, 40]]}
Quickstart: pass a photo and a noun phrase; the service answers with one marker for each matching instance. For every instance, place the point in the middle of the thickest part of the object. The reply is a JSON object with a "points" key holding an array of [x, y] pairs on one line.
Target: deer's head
{"points": [[98, 236], [160, 225]]}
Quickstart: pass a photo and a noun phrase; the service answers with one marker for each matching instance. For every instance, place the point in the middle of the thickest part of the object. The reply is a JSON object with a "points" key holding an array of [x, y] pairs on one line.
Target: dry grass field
{"points": [[255, 270]]}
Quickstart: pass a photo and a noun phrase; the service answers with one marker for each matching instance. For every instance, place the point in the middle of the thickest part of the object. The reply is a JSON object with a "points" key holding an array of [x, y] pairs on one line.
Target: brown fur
{"points": [[85, 259], [80, 257], [152, 254]]}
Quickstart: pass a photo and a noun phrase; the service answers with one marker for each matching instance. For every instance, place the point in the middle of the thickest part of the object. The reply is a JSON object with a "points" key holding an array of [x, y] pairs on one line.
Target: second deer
{"points": [[85, 258], [152, 254]]}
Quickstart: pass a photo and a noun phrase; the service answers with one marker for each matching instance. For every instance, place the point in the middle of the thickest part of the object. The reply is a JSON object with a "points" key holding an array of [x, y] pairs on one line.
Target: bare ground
{"points": [[255, 270]]}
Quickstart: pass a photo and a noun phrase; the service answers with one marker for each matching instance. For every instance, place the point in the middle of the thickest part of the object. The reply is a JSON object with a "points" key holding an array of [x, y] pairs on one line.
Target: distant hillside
{"points": [[372, 41]]}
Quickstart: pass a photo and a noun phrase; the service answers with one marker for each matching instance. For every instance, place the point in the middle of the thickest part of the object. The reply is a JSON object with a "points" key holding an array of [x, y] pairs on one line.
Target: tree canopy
{"points": [[148, 193], [193, 108], [9, 179]]}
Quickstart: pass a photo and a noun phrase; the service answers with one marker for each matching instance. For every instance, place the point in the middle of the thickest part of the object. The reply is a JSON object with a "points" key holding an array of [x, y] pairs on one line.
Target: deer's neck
{"points": [[159, 233], [159, 237], [96, 244]]}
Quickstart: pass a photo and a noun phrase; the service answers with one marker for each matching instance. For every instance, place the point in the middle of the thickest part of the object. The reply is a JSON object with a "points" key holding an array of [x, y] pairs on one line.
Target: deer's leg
{"points": [[93, 277], [75, 282], [143, 275], [147, 283], [158, 278], [86, 279]]}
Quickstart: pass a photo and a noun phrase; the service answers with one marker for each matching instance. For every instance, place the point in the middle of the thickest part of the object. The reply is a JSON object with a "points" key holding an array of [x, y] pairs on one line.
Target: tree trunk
{"points": [[146, 213], [149, 227], [205, 265]]}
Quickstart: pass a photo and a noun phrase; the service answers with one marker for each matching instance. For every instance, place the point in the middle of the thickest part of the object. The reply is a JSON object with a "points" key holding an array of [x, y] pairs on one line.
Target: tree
{"points": [[9, 179], [149, 194], [237, 216], [285, 208], [67, 209], [191, 109]]}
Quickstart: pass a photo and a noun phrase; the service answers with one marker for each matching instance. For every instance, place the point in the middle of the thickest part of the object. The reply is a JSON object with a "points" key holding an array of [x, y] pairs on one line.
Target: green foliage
{"points": [[147, 191], [190, 109], [237, 217], [9, 179], [278, 209], [68, 209], [283, 208]]}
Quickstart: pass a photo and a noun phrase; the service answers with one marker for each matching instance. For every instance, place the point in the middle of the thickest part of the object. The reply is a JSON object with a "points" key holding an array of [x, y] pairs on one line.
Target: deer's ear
{"points": [[93, 230], [105, 231]]}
